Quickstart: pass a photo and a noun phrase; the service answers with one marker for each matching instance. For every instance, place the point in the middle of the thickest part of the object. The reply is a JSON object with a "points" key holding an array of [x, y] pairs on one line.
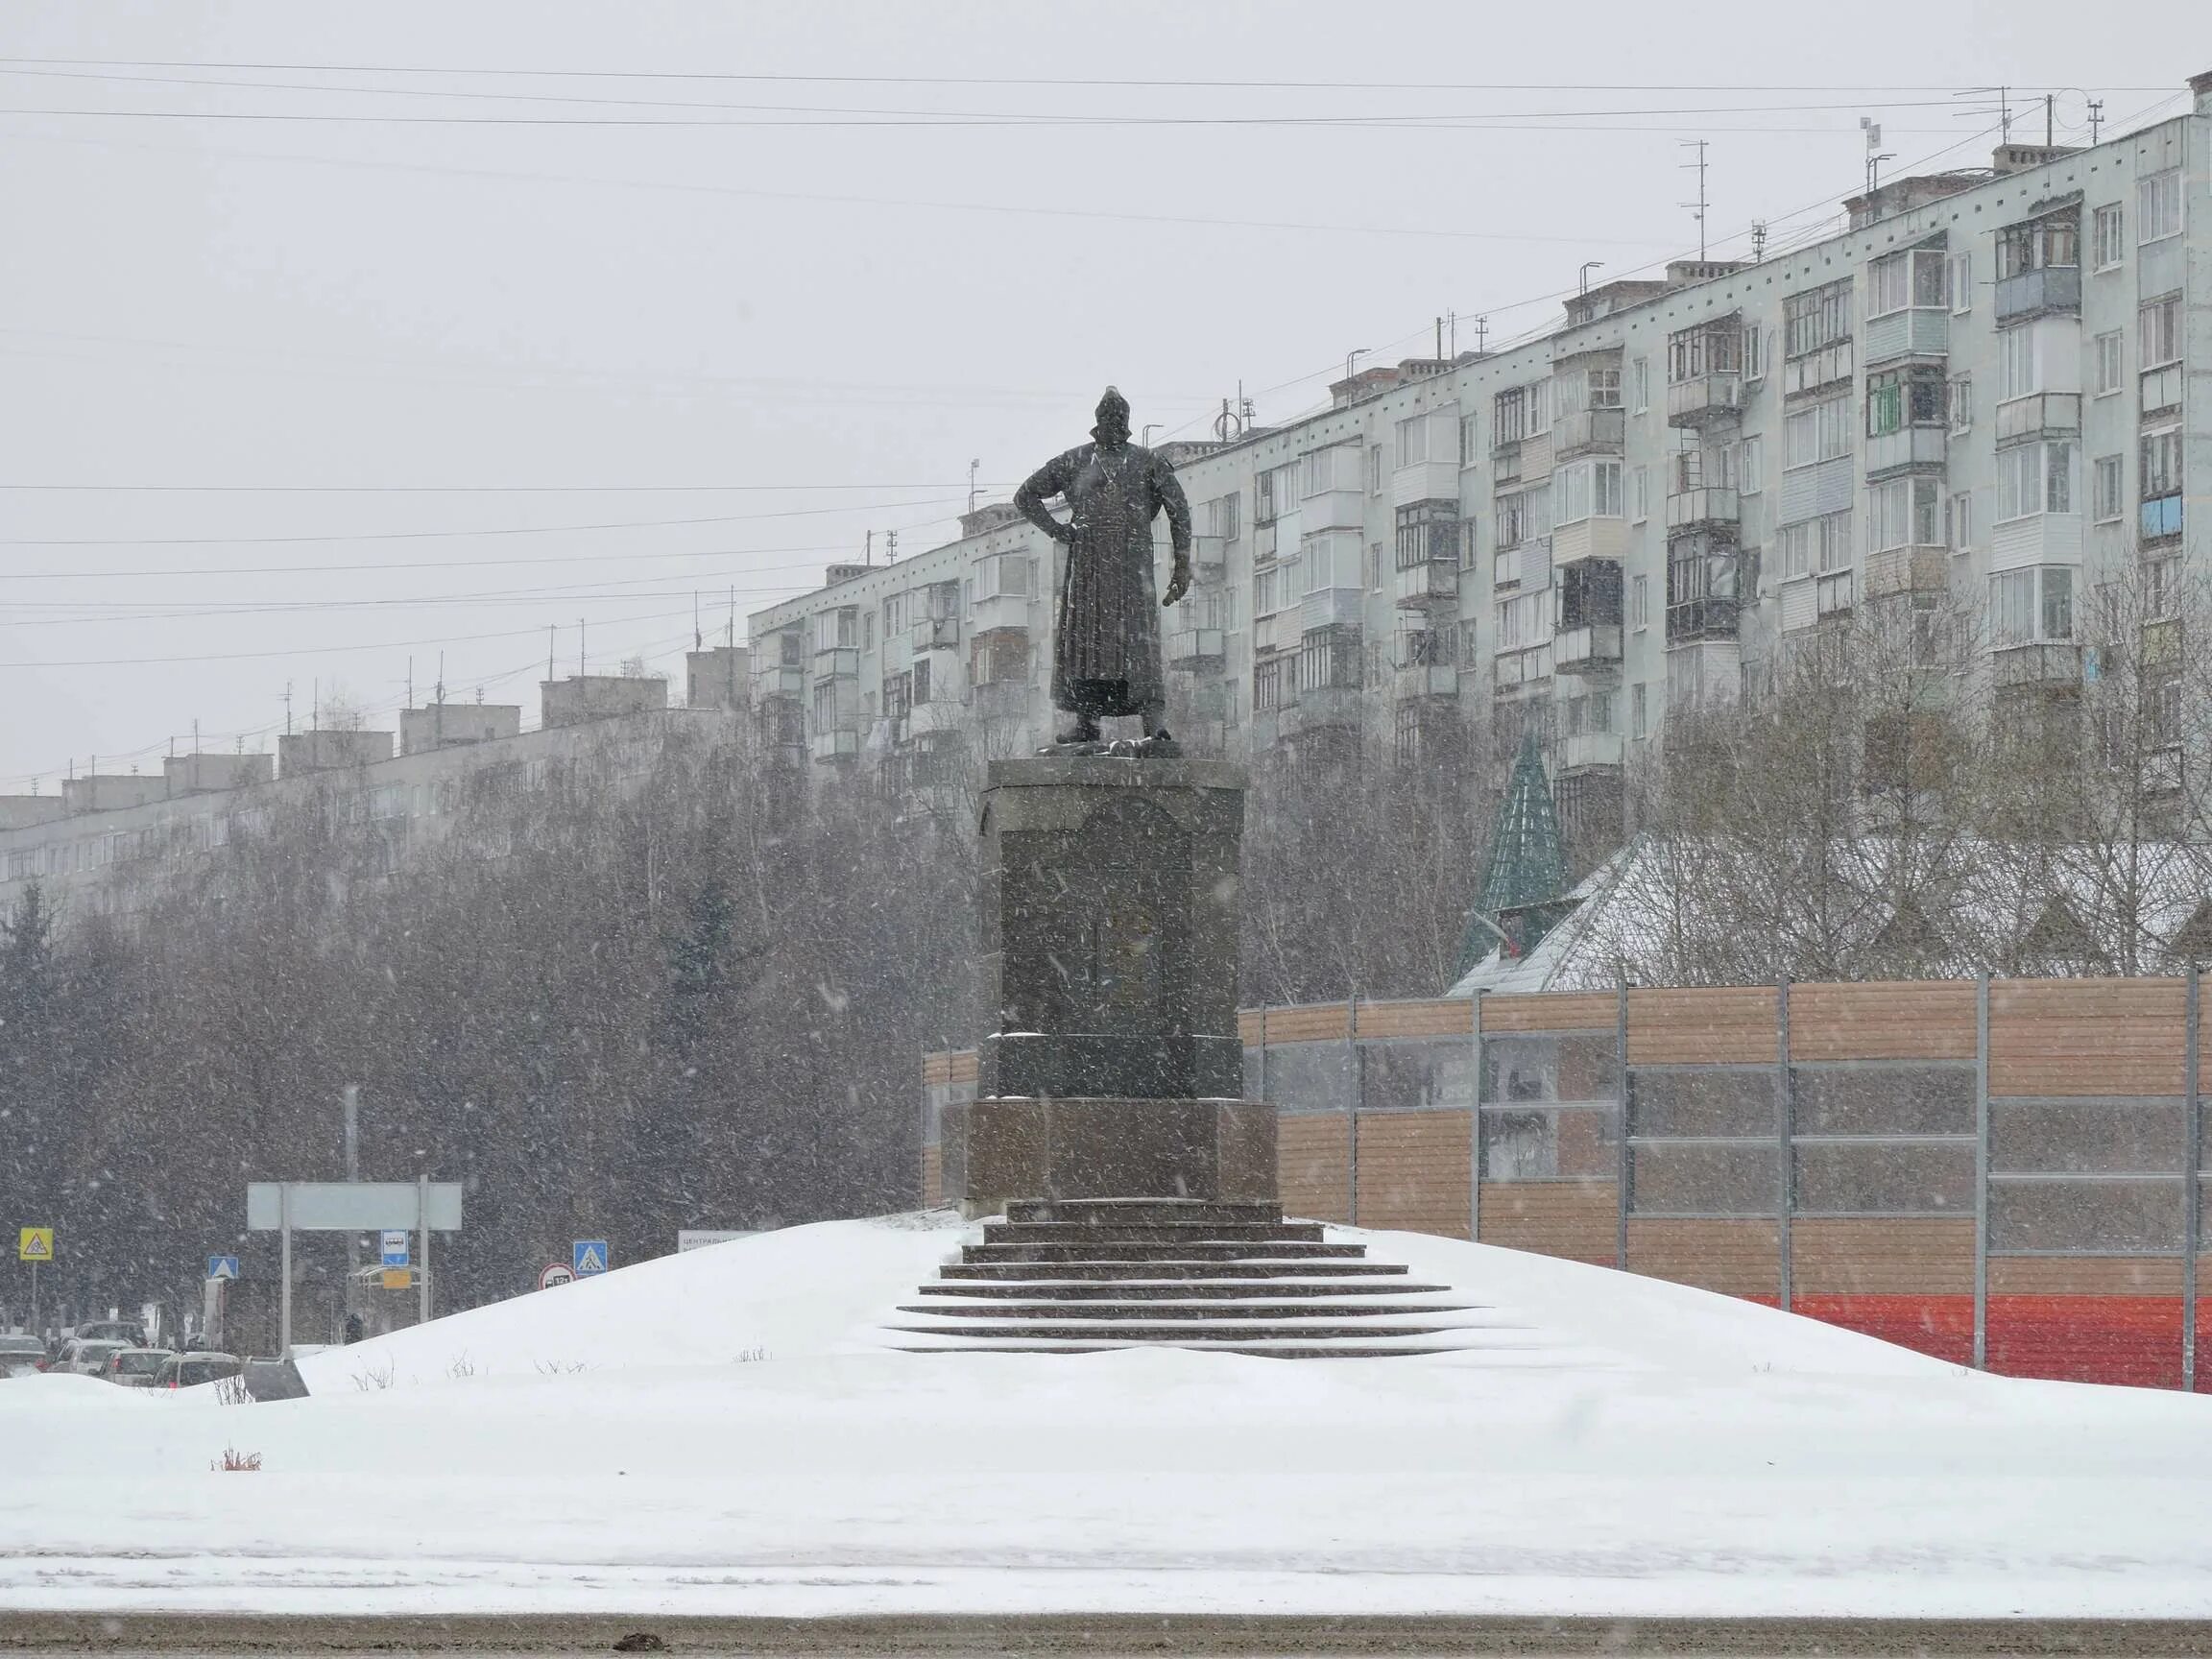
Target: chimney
{"points": [[2202, 86]]}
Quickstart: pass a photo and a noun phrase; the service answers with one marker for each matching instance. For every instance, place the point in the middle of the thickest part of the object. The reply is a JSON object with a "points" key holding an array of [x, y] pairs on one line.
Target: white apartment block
{"points": [[1993, 384]]}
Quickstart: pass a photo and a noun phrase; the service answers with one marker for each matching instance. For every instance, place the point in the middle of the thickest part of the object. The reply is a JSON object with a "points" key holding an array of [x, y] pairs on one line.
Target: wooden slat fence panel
{"points": [[1899, 1020], [1709, 1025], [2086, 1036], [1414, 1171], [1571, 1219]]}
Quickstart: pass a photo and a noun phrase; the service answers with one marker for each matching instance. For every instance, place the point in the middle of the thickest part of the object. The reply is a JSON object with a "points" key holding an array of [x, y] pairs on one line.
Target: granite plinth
{"points": [[1004, 1149]]}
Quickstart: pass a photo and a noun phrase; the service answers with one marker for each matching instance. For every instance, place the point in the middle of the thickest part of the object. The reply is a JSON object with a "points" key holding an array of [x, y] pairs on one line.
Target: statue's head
{"points": [[1113, 429]]}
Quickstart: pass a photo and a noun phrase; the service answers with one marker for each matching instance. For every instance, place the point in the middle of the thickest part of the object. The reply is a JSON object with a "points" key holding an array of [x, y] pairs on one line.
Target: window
{"points": [[1643, 495], [2158, 205], [1819, 317], [1959, 403], [1540, 408], [1904, 279], [1958, 283], [1511, 520], [2105, 489], [2035, 478], [1469, 437], [1640, 605], [2038, 244], [1816, 546], [2016, 363], [2108, 369], [2158, 332], [1427, 533], [1376, 473], [1413, 441], [1959, 522], [2106, 246], [1589, 490], [1754, 358], [1640, 381], [1751, 468], [1819, 432], [1712, 348], [1468, 551], [1902, 397], [2034, 603], [1509, 416], [1902, 512], [1636, 727], [2159, 463]]}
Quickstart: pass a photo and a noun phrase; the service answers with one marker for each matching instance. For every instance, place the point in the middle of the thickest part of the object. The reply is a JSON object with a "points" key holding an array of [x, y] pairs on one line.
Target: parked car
{"points": [[134, 1367], [128, 1332], [21, 1357], [190, 1370], [87, 1358]]}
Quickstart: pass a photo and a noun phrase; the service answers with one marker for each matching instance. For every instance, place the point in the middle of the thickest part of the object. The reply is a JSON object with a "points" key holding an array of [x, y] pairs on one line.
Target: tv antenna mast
{"points": [[1698, 208]]}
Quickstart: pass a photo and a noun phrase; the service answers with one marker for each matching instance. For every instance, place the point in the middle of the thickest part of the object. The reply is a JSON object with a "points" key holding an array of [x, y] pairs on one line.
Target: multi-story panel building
{"points": [[1992, 381]]}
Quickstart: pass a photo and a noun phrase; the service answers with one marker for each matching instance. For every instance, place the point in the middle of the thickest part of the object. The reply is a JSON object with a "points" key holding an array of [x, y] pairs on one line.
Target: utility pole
{"points": [[1698, 208], [890, 547], [974, 468], [1482, 334], [351, 1099], [287, 708], [2050, 120], [1758, 240], [2096, 118]]}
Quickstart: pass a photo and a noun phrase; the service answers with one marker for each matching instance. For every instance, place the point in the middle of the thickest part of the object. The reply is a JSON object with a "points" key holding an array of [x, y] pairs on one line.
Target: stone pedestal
{"points": [[1110, 938]]}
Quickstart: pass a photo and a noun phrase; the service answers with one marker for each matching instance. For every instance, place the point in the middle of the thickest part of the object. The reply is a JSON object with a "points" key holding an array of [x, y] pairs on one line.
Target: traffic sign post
{"points": [[222, 1267], [353, 1206], [34, 1245], [590, 1256], [394, 1243], [555, 1273]]}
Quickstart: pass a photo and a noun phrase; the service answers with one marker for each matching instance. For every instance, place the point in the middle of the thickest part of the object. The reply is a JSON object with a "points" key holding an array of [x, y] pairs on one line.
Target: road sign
{"points": [[222, 1267], [398, 1278], [555, 1273], [589, 1256], [352, 1205], [34, 1245], [395, 1244]]}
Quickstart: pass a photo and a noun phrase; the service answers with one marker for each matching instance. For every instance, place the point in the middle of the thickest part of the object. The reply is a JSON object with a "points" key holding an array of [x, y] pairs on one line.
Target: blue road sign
{"points": [[590, 1256], [395, 1247], [222, 1267]]}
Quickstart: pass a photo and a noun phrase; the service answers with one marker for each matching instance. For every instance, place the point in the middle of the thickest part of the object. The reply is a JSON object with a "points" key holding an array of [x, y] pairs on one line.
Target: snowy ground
{"points": [[622, 1445]]}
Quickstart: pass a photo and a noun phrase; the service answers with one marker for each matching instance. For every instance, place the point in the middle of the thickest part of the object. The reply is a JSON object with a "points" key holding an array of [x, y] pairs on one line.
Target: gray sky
{"points": [[822, 297]]}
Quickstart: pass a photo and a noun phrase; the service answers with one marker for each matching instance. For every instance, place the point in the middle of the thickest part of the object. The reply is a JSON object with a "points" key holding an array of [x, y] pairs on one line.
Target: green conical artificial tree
{"points": [[1526, 877]]}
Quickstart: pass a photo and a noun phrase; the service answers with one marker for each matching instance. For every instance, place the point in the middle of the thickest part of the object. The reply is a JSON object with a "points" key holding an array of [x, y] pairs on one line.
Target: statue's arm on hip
{"points": [[1048, 480]]}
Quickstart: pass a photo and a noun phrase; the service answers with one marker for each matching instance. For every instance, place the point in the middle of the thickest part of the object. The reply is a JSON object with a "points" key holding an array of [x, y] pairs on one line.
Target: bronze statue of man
{"points": [[1106, 646]]}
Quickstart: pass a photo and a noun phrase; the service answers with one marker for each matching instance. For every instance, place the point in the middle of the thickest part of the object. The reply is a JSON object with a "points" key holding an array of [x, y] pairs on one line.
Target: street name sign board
{"points": [[351, 1206], [394, 1244], [555, 1273], [222, 1267], [589, 1256], [34, 1245], [699, 1238]]}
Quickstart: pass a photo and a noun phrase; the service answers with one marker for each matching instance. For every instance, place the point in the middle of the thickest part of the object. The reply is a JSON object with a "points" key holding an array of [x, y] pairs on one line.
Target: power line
{"points": [[470, 488]]}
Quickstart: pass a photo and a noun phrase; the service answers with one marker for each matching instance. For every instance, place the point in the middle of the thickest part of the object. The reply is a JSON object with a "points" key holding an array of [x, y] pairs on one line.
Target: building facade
{"points": [[1991, 387]]}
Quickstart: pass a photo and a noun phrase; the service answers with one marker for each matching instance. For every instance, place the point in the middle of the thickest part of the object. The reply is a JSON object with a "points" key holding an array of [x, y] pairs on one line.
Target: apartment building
{"points": [[1990, 385]]}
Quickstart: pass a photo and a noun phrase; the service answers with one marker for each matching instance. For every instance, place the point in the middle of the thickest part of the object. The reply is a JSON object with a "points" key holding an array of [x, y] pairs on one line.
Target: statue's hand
{"points": [[1178, 584]]}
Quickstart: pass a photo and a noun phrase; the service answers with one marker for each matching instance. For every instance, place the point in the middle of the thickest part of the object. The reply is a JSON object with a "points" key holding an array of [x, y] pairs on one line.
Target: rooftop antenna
{"points": [[1353, 357], [890, 547], [1439, 352], [410, 681], [441, 683], [732, 615], [1225, 424], [1698, 207], [974, 467], [1758, 240], [2050, 120], [1588, 266], [1875, 155], [1452, 323], [552, 642], [579, 647], [2095, 117], [1144, 439], [2004, 106], [867, 547], [287, 708], [698, 640], [1243, 408], [1481, 333]]}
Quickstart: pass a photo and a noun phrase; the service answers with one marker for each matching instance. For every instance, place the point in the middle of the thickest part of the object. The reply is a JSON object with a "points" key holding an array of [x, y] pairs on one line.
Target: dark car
{"points": [[190, 1370], [128, 1332]]}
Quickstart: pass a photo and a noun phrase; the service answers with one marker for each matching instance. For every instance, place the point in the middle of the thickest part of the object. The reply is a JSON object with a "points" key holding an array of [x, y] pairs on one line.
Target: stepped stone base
{"points": [[1077, 1275], [999, 1151]]}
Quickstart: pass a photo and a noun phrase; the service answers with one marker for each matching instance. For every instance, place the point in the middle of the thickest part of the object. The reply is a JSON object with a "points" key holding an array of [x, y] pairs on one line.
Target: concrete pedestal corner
{"points": [[1004, 1149]]}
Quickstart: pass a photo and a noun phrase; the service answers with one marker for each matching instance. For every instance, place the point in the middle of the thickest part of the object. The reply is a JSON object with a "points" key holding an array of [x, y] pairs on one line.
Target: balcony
{"points": [[2161, 388], [841, 743], [1209, 558], [1906, 570], [934, 633], [1332, 608], [837, 662], [926, 720], [1922, 332], [1197, 650], [1595, 649], [1589, 538], [2052, 288], [779, 681], [2042, 664], [1319, 706], [1426, 584], [1002, 699], [1704, 398], [1536, 455], [1589, 432], [1904, 450], [999, 611], [1704, 507], [1523, 665], [1413, 679], [2044, 414], [1505, 463], [2159, 518], [1696, 620], [1587, 749]]}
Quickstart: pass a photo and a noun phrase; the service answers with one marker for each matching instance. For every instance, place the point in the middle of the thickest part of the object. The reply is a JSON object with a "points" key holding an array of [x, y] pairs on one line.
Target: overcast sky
{"points": [[499, 339]]}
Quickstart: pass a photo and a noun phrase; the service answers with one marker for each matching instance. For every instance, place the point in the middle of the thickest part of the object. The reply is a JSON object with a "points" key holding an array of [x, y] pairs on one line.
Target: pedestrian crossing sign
{"points": [[34, 1245], [590, 1256]]}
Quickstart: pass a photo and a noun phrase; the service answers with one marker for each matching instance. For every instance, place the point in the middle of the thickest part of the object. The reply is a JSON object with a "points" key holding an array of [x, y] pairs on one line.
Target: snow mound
{"points": [[833, 1287]]}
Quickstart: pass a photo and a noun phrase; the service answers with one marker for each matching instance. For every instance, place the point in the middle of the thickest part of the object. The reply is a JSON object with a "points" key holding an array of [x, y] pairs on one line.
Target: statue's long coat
{"points": [[1109, 608]]}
